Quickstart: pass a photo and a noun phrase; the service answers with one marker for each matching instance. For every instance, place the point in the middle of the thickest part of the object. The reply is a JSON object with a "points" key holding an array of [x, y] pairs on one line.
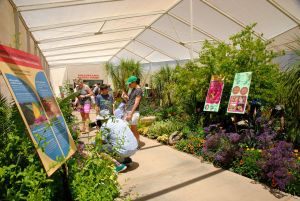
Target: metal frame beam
{"points": [[119, 17], [70, 53], [236, 21], [156, 49], [86, 44], [79, 58], [162, 14], [43, 6], [283, 44], [36, 47], [136, 55], [283, 32], [284, 11], [170, 38], [90, 34], [196, 28]]}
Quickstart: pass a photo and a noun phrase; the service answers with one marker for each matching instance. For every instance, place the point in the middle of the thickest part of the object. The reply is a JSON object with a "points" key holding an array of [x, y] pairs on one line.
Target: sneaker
{"points": [[121, 168], [127, 161]]}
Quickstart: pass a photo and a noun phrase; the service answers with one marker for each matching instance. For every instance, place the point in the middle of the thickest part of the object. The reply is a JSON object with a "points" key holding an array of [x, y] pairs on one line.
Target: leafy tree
{"points": [[246, 52], [120, 73]]}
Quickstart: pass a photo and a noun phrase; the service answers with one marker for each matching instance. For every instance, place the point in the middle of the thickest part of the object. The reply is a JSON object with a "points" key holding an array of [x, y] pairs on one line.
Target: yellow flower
{"points": [[252, 149], [299, 158], [296, 150], [259, 150], [247, 149]]}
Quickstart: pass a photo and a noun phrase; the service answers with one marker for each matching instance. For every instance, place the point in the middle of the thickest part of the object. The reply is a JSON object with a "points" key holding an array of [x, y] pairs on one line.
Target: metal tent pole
{"points": [[192, 29]]}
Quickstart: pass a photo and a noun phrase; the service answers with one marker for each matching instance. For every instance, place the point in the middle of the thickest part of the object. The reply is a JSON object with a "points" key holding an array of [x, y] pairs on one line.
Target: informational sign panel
{"points": [[214, 94], [239, 93], [30, 88]]}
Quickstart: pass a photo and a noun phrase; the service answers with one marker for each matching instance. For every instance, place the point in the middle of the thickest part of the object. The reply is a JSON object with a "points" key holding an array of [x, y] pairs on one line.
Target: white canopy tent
{"points": [[95, 31]]}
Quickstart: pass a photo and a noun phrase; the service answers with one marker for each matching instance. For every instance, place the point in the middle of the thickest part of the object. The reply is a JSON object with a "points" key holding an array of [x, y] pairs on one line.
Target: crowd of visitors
{"points": [[118, 127]]}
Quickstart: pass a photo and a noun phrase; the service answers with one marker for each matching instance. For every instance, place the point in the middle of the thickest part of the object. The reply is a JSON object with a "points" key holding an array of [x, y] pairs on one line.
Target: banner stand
{"points": [[31, 91]]}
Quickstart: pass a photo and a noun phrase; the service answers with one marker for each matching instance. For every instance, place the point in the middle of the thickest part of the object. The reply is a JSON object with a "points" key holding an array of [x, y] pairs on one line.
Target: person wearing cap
{"points": [[84, 100], [116, 135], [132, 110]]}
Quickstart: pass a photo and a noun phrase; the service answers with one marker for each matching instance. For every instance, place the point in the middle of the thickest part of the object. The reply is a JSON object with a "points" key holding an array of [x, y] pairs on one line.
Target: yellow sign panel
{"points": [[34, 97]]}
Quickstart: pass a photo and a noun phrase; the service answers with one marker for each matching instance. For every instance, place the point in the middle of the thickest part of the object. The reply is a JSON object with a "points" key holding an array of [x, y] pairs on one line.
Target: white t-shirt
{"points": [[117, 133]]}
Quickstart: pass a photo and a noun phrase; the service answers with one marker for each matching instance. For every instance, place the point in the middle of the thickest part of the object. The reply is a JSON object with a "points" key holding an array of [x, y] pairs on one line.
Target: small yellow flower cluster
{"points": [[296, 154]]}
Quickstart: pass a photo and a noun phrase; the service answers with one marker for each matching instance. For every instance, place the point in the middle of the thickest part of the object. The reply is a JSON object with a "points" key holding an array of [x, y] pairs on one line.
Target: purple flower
{"points": [[276, 163], [75, 128], [234, 137]]}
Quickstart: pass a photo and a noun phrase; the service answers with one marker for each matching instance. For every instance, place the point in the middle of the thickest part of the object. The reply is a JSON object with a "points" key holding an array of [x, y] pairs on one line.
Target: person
{"points": [[132, 110], [96, 89], [146, 90], [121, 109], [277, 118], [84, 104], [110, 91], [117, 137], [119, 167], [104, 100]]}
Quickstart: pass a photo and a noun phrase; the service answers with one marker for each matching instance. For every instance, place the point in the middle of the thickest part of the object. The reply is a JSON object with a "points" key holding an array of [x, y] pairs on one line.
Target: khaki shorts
{"points": [[135, 118]]}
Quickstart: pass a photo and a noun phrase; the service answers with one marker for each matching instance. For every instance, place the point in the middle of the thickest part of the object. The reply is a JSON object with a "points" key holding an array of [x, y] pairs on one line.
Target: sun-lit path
{"points": [[162, 173]]}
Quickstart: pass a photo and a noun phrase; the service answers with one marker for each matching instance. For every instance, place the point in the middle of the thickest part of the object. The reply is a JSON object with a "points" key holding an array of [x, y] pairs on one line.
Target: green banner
{"points": [[239, 93]]}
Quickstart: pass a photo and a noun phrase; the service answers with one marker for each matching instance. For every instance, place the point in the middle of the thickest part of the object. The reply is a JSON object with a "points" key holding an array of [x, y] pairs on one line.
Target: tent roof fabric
{"points": [[93, 31]]}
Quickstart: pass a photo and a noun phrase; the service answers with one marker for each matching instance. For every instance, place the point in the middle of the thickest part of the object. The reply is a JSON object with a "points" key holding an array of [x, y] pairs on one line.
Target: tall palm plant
{"points": [[120, 73], [291, 84], [5, 113], [162, 82]]}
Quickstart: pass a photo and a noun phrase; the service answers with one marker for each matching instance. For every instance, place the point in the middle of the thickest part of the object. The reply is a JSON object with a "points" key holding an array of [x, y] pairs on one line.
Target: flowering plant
{"points": [[277, 164], [247, 164]]}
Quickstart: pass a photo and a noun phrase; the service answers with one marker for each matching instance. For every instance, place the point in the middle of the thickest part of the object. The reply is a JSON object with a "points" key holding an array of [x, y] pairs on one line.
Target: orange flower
{"points": [[242, 162], [274, 183], [296, 150]]}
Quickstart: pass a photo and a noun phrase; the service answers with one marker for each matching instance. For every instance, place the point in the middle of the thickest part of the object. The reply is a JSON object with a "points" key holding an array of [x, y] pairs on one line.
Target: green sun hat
{"points": [[131, 79]]}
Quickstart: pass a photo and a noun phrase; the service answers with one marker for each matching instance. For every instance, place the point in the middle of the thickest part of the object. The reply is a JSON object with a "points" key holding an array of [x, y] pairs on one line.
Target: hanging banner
{"points": [[239, 93], [31, 91], [214, 94]]}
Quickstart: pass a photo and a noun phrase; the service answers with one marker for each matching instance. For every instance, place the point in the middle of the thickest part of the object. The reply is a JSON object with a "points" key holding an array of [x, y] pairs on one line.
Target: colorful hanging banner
{"points": [[31, 91], [214, 94], [239, 93]]}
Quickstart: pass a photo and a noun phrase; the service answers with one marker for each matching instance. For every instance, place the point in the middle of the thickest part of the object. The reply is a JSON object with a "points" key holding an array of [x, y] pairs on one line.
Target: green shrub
{"points": [[294, 186], [163, 139], [22, 176], [93, 178], [193, 144], [166, 127], [247, 165]]}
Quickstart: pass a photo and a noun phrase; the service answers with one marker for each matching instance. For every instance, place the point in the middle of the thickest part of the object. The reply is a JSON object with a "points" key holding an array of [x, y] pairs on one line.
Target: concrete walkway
{"points": [[160, 172]]}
